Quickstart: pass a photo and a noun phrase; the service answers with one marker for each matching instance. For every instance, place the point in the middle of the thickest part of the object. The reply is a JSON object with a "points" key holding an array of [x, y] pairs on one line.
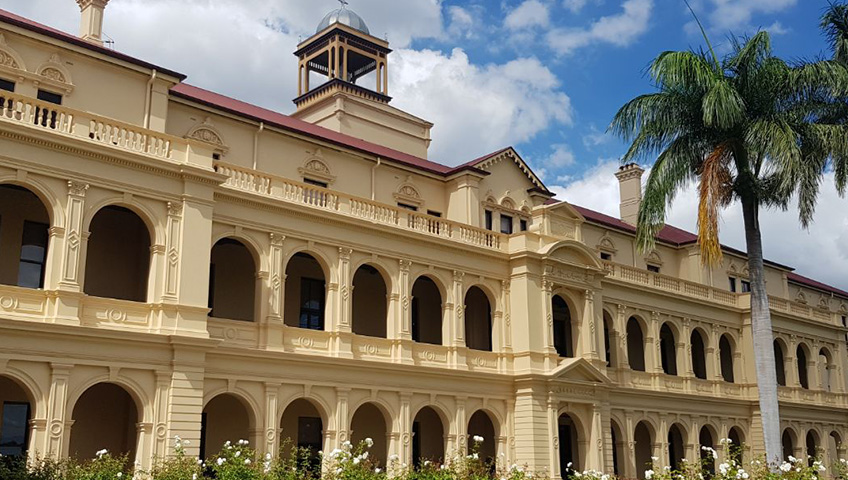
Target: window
{"points": [[49, 97], [216, 156], [42, 119], [407, 207], [33, 255], [654, 268], [489, 221], [7, 85], [746, 286], [433, 213], [14, 429], [523, 225], [506, 224], [316, 183], [607, 257], [311, 304], [732, 284]]}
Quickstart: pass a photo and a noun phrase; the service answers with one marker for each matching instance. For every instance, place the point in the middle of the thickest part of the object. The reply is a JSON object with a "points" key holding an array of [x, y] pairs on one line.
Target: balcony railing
{"points": [[90, 127], [670, 284], [801, 310], [312, 196]]}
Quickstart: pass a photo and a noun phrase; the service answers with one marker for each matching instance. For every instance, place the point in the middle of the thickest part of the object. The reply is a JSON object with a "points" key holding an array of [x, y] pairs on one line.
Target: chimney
{"points": [[91, 24], [630, 187]]}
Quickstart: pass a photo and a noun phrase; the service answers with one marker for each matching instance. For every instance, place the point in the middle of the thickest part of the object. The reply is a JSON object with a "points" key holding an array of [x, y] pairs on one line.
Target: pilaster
{"points": [[58, 435]]}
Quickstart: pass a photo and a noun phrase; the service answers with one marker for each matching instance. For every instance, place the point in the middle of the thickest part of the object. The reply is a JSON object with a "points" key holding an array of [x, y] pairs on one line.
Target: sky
{"points": [[545, 76]]}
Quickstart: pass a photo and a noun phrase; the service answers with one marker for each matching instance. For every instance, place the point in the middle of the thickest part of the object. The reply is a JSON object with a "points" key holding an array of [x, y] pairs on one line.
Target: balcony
{"points": [[671, 285], [325, 200]]}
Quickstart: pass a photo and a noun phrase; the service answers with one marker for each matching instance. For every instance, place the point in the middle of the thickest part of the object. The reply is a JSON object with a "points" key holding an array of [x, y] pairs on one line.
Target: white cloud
{"points": [[531, 13], [477, 109], [561, 157], [819, 253], [461, 22], [737, 14], [595, 137], [619, 30], [574, 5]]}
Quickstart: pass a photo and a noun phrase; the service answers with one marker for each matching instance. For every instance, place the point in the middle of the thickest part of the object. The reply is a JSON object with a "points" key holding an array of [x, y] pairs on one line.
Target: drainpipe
{"points": [[256, 144], [374, 178], [149, 98]]}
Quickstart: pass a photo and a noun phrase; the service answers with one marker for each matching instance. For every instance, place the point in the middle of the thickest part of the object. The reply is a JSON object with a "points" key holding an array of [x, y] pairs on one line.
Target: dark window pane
{"points": [[506, 224], [7, 85], [653, 268], [14, 429], [746, 286], [732, 284], [33, 255], [606, 257], [316, 183], [523, 225], [50, 97], [408, 207], [312, 304], [489, 222]]}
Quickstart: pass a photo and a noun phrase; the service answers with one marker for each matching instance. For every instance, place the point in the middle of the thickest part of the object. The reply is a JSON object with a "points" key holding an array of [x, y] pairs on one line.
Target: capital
{"points": [[92, 3]]}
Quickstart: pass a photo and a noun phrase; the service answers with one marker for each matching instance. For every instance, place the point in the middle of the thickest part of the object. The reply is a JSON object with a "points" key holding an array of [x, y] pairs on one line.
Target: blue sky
{"points": [[546, 76]]}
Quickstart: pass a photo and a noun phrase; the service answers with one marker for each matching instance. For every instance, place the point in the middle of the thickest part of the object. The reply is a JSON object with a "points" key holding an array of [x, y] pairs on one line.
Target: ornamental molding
{"points": [[407, 192], [315, 167], [54, 75], [206, 132], [606, 244], [654, 259], [9, 58]]}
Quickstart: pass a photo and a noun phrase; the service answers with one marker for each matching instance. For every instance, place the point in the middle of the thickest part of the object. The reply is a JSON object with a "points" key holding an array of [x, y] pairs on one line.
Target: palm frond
{"points": [[834, 23], [683, 69], [723, 107], [715, 191]]}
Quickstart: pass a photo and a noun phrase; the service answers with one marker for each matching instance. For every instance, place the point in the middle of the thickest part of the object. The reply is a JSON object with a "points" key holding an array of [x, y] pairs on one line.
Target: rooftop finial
{"points": [[344, 3]]}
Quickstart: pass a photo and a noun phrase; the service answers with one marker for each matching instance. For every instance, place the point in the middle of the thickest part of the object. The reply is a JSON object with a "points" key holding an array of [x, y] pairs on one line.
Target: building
{"points": [[176, 262]]}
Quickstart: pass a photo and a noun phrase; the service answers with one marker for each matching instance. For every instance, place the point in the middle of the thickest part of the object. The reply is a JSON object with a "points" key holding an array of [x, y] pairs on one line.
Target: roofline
{"points": [[26, 24]]}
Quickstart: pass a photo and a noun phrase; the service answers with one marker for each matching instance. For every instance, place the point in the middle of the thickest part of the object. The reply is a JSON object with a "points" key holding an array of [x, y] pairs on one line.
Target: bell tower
{"points": [[350, 93]]}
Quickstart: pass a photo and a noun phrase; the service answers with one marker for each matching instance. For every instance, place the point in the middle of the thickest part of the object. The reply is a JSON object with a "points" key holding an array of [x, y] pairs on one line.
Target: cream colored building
{"points": [[176, 262]]}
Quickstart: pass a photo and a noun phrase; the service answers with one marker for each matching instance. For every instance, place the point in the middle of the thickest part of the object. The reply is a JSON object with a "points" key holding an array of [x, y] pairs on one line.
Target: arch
{"points": [[428, 436], [482, 424], [478, 320], [572, 251], [780, 362], [698, 353], [232, 281], [834, 446], [676, 446], [812, 443], [569, 435], [25, 230], [207, 133], [787, 440], [668, 350], [801, 358], [302, 427], [635, 344], [618, 447], [825, 365], [370, 301], [726, 352], [610, 344], [707, 442], [226, 417], [55, 209], [105, 416], [563, 327], [371, 421], [306, 291], [643, 436], [17, 405], [736, 444], [118, 258], [9, 57], [55, 71], [426, 311]]}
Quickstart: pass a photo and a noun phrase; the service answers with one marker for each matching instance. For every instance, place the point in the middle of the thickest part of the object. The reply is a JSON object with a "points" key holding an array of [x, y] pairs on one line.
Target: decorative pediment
{"points": [[573, 261], [207, 133], [844, 309], [578, 370], [654, 259], [606, 244], [824, 302], [9, 58], [507, 202], [53, 73], [801, 298], [407, 192], [316, 168]]}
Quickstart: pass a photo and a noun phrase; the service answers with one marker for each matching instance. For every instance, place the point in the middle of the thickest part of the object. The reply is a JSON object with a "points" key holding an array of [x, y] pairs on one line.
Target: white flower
{"points": [[426, 463], [649, 474], [369, 442], [243, 442], [339, 470], [478, 439], [100, 453], [221, 461], [724, 468], [267, 456], [786, 467], [364, 455], [377, 470], [568, 465], [193, 476], [347, 444], [656, 459], [238, 454], [394, 458], [119, 475], [247, 461], [227, 443], [356, 461], [475, 456], [792, 459]]}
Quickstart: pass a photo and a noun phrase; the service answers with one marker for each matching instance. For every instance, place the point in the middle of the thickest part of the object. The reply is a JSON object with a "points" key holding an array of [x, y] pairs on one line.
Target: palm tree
{"points": [[747, 129], [834, 23]]}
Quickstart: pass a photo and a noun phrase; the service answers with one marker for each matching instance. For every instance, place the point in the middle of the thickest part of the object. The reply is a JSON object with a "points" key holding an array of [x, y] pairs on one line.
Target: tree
{"points": [[834, 23], [751, 129]]}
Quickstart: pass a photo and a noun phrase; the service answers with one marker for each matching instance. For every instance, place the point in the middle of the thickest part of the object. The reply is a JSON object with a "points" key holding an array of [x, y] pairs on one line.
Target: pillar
{"points": [[160, 415], [185, 392], [532, 436], [342, 418], [506, 342], [589, 330], [58, 433], [272, 295], [341, 325], [400, 330], [553, 434], [629, 461], [270, 437], [457, 347], [404, 447], [461, 426]]}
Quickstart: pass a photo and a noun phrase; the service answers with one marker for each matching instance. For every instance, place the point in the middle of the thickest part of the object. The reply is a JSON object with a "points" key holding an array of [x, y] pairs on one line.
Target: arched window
{"points": [[118, 256], [370, 302], [635, 345], [812, 447], [699, 355], [481, 425], [676, 447], [618, 447], [824, 369], [428, 438], [787, 441], [834, 445], [569, 446], [725, 350], [563, 334], [609, 343], [707, 440], [306, 291], [370, 422], [668, 350], [225, 418], [232, 281], [24, 229], [105, 416], [803, 371], [302, 427], [779, 363], [478, 320], [426, 312], [15, 415], [737, 445], [644, 449]]}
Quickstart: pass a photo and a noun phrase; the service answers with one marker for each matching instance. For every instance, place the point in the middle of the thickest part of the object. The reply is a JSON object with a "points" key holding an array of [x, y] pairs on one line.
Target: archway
{"points": [[302, 427], [478, 320], [635, 345], [803, 370], [676, 448], [25, 230], [812, 444], [370, 422], [644, 449], [737, 445], [428, 437], [706, 440], [426, 312], [232, 281], [787, 441], [618, 447], [834, 445], [482, 426], [306, 291], [563, 329], [725, 350], [16, 409], [370, 302], [105, 417], [118, 256], [699, 355], [569, 445], [779, 363], [609, 342], [824, 367], [668, 350], [225, 418]]}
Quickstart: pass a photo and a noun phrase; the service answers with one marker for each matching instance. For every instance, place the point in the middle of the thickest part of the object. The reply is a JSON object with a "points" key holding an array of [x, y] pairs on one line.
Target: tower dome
{"points": [[345, 17]]}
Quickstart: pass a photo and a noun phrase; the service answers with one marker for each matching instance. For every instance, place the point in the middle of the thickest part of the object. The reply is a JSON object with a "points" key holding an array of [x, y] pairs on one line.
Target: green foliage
{"points": [[178, 467], [102, 467]]}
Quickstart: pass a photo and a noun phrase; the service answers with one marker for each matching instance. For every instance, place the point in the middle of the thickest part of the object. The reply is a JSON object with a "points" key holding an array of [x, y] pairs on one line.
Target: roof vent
{"points": [[630, 187]]}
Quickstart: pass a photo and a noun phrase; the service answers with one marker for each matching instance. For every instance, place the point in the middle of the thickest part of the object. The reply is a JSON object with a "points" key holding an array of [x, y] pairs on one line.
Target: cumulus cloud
{"points": [[531, 13], [819, 253], [620, 29], [737, 14]]}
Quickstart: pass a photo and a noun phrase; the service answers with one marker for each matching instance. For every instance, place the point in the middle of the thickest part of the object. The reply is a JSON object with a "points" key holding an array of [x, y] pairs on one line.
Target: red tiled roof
{"points": [[292, 124], [668, 234], [27, 24], [809, 282]]}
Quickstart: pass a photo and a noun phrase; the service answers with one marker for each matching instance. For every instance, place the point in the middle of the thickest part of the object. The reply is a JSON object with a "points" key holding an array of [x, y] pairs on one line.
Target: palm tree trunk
{"points": [[762, 333]]}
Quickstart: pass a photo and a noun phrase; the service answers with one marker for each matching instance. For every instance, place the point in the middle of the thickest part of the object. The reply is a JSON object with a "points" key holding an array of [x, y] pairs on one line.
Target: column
{"points": [[195, 247], [791, 366], [143, 455], [270, 437], [457, 347], [623, 356], [590, 330], [693, 442], [404, 447], [531, 420], [553, 433], [506, 344], [629, 461], [185, 392], [173, 239], [461, 427], [595, 458], [342, 417], [72, 257], [160, 415], [401, 330], [58, 429], [547, 308], [273, 295], [661, 442], [652, 348], [341, 325]]}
